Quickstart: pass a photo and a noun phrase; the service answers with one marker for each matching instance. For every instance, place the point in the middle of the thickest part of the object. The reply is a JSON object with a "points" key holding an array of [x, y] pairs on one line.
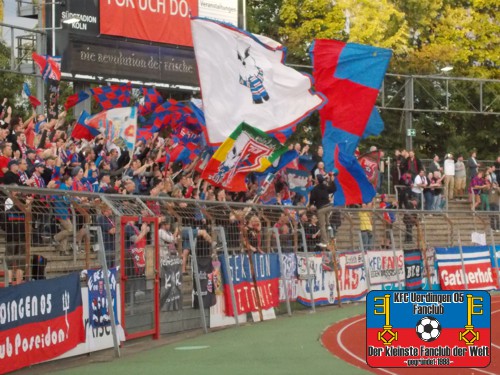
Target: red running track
{"points": [[347, 340]]}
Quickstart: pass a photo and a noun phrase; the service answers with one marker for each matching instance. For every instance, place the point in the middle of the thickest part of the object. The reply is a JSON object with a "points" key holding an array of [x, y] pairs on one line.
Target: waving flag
{"points": [[350, 76], [353, 186], [298, 181], [244, 78], [33, 99], [247, 150], [84, 130], [75, 99], [114, 96], [185, 153], [175, 114], [49, 66], [145, 133], [370, 163], [118, 125], [152, 99]]}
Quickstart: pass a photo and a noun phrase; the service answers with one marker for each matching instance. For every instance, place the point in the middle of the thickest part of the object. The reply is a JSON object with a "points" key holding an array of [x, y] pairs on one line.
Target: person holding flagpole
{"points": [[320, 195]]}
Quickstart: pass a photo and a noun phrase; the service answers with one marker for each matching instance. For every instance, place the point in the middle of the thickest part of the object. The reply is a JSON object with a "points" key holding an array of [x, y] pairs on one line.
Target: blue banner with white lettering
{"points": [[413, 269], [39, 320], [98, 304]]}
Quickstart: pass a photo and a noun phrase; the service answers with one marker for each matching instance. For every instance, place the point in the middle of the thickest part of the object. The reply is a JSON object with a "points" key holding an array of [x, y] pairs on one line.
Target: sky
{"points": [[10, 18], [10, 9]]}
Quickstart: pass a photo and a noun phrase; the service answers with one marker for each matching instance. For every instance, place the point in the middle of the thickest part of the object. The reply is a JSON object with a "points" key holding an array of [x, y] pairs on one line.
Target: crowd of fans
{"points": [[40, 153]]}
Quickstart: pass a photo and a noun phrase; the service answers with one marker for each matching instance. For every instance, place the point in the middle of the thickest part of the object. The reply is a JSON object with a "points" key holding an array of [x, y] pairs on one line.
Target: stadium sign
{"points": [[133, 61]]}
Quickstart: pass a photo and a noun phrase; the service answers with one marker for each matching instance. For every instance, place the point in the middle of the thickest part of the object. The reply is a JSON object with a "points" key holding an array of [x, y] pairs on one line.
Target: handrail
{"points": [[351, 227], [451, 229]]}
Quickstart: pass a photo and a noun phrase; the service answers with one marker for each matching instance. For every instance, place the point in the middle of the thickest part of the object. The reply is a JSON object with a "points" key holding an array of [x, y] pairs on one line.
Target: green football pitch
{"points": [[287, 345]]}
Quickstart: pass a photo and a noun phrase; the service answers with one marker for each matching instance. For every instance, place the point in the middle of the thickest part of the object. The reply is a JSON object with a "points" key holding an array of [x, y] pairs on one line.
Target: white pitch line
{"points": [[339, 340]]}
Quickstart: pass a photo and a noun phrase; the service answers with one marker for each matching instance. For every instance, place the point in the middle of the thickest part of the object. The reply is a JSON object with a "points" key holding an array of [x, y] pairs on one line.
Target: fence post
{"points": [[462, 258], [117, 221], [388, 171], [495, 255], [308, 273], [73, 216], [395, 259], [333, 250], [197, 277], [283, 280], [230, 274], [363, 253]]}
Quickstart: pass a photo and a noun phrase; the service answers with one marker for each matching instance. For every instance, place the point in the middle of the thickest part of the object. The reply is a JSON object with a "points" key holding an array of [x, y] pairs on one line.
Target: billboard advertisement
{"points": [[161, 21], [132, 39], [127, 60]]}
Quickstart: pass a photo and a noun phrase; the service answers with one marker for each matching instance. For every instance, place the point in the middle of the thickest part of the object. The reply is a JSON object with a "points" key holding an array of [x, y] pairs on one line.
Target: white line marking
{"points": [[339, 340]]}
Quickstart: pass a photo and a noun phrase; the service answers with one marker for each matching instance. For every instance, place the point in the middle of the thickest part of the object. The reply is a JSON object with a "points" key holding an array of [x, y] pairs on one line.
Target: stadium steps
{"points": [[435, 228], [59, 265]]}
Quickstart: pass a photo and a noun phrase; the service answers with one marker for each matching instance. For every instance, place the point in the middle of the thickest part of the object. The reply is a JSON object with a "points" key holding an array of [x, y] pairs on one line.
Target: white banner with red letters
{"points": [[351, 276], [385, 266], [476, 264]]}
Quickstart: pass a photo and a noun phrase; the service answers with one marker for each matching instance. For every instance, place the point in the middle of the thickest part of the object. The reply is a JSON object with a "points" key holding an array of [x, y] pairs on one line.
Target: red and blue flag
{"points": [[49, 66], [176, 115], [33, 99], [353, 187], [152, 99], [75, 99], [85, 129], [114, 96], [145, 133], [350, 76]]}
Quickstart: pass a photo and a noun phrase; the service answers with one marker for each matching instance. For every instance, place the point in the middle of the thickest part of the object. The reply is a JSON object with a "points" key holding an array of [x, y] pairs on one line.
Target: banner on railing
{"points": [[351, 275], [98, 304], [97, 338], [171, 294], [39, 321], [205, 273], [413, 269], [321, 280], [430, 255], [289, 274], [218, 315], [476, 264], [384, 267], [267, 272]]}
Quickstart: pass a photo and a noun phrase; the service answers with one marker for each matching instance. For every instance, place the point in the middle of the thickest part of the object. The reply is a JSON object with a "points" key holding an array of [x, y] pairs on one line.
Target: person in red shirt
{"points": [[4, 159]]}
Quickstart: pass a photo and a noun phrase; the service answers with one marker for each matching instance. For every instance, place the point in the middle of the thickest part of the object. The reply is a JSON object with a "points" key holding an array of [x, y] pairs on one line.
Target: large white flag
{"points": [[243, 79]]}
